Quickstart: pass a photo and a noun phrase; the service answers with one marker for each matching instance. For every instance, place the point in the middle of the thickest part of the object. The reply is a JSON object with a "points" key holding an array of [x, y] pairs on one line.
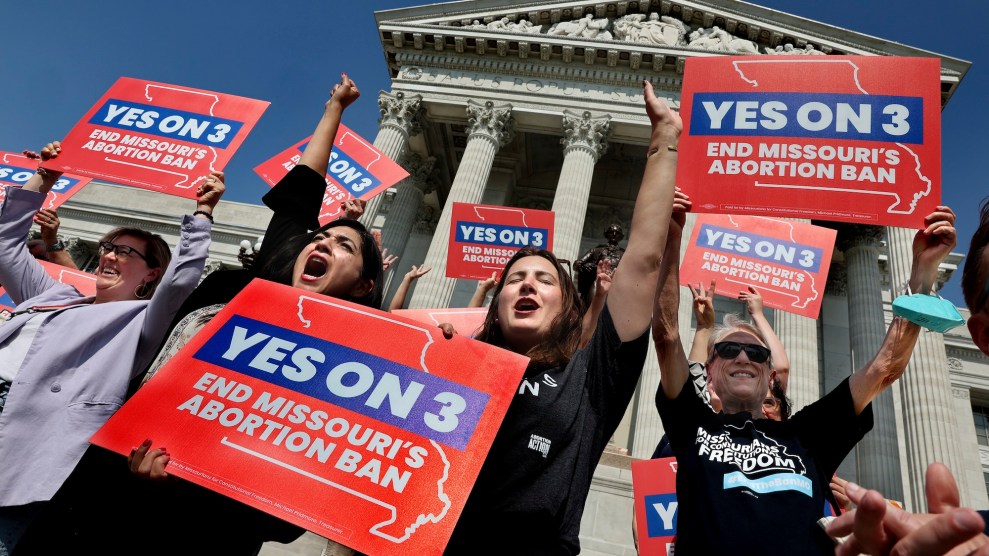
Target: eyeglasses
{"points": [[730, 350], [122, 251]]}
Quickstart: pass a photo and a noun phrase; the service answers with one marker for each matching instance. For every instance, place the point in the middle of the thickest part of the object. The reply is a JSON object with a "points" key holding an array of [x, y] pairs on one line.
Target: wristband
{"points": [[204, 213]]}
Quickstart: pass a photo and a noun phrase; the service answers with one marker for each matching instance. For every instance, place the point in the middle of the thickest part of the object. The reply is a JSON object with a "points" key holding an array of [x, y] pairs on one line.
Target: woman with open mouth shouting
{"points": [[534, 483]]}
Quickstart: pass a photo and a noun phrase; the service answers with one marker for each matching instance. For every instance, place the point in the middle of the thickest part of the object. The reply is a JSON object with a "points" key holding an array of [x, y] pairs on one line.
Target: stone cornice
{"points": [[423, 28]]}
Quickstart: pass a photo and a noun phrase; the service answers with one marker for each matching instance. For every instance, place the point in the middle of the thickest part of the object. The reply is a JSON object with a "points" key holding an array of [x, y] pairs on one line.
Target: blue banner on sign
{"points": [[353, 176], [408, 398], [825, 115], [764, 248], [501, 235], [191, 127], [661, 515]]}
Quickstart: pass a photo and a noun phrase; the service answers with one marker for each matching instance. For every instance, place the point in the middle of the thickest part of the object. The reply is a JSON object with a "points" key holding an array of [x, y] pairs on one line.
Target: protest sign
{"points": [[655, 492], [465, 321], [356, 170], [483, 238], [844, 138], [157, 136], [787, 262], [356, 424], [16, 169], [82, 281]]}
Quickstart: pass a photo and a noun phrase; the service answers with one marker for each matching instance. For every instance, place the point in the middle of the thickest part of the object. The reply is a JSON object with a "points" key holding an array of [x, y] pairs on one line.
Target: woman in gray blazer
{"points": [[66, 359]]}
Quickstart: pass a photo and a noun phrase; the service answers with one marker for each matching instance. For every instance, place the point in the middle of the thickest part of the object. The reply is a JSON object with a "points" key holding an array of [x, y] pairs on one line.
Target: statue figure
{"points": [[586, 27], [586, 267], [719, 40], [788, 49], [499, 24], [662, 31], [524, 26]]}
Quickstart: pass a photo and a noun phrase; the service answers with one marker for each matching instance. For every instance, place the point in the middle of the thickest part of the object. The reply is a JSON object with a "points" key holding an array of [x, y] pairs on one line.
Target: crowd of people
{"points": [[68, 362]]}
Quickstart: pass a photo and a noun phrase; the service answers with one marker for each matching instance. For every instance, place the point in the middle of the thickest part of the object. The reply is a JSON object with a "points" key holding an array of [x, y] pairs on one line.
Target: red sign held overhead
{"points": [[844, 138], [157, 136], [356, 170], [787, 262], [16, 169], [356, 424], [483, 238]]}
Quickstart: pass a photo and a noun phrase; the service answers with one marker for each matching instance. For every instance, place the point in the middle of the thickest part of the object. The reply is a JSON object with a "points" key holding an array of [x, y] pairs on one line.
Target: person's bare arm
{"points": [[636, 278], [673, 366], [930, 246], [483, 287], [412, 275], [317, 152], [599, 295]]}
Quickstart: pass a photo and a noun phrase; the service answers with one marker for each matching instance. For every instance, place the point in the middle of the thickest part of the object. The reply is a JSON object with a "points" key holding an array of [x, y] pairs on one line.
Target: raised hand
{"points": [[704, 304], [344, 93], [752, 299], [353, 208], [417, 272], [210, 191]]}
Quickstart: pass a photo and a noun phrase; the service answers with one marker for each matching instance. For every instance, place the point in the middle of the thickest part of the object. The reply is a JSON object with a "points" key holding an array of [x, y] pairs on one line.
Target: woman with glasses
{"points": [[530, 493], [740, 474], [66, 359], [340, 259]]}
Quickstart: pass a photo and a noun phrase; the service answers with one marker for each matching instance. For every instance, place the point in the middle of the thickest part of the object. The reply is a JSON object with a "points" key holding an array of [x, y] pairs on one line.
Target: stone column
{"points": [[584, 142], [877, 466], [799, 337], [405, 207], [489, 128], [401, 118], [925, 388]]}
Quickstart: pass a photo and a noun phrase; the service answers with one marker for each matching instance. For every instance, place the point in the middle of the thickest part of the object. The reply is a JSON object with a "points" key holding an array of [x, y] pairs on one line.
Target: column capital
{"points": [[859, 235], [401, 111], [493, 122], [583, 131], [421, 170]]}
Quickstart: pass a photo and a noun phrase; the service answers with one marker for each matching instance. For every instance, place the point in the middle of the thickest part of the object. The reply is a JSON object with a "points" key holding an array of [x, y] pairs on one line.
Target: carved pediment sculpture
{"points": [[788, 49], [662, 31], [719, 40], [586, 27]]}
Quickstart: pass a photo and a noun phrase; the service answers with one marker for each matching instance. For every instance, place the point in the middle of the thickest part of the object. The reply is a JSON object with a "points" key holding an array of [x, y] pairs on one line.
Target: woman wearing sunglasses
{"points": [[66, 359], [740, 474]]}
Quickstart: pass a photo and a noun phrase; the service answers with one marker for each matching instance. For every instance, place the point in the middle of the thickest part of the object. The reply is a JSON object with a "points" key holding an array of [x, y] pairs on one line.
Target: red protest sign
{"points": [[82, 281], [654, 489], [465, 321], [157, 136], [483, 238], [16, 169], [844, 138], [356, 170], [360, 426], [787, 262]]}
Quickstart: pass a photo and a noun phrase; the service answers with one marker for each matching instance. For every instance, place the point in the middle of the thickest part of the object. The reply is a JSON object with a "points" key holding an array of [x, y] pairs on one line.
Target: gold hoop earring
{"points": [[142, 291]]}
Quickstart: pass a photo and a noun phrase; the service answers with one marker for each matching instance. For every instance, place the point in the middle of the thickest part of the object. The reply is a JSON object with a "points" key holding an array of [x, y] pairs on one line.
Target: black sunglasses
{"points": [[730, 350], [120, 250]]}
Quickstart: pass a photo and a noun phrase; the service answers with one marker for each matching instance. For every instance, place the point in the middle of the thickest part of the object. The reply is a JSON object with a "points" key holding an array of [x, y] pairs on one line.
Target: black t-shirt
{"points": [[530, 494], [752, 486]]}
